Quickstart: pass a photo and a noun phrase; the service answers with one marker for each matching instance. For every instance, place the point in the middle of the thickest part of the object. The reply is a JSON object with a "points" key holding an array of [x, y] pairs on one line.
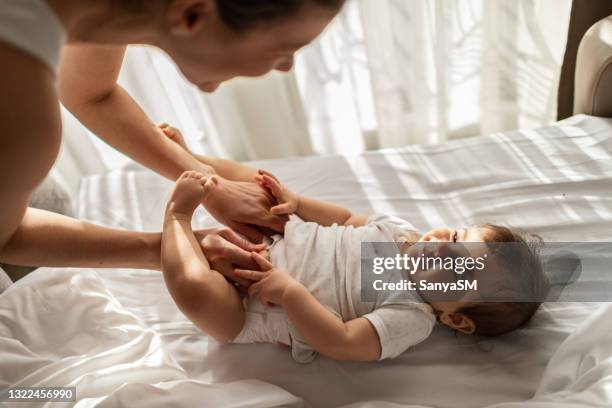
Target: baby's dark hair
{"points": [[520, 262]]}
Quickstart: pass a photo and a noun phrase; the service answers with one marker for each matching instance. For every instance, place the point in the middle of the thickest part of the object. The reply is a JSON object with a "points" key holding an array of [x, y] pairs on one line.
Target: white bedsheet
{"points": [[556, 181], [76, 334]]}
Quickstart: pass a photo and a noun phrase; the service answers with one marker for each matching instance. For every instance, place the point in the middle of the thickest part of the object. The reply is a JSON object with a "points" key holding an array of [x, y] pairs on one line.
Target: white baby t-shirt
{"points": [[327, 261]]}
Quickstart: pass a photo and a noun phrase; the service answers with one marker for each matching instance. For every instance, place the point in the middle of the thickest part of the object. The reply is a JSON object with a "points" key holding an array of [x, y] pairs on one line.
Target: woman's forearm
{"points": [[229, 169], [87, 85], [47, 239], [120, 122]]}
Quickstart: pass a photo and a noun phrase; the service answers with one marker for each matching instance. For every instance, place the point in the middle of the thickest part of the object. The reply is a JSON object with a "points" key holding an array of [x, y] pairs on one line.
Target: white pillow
{"points": [[51, 196], [5, 281]]}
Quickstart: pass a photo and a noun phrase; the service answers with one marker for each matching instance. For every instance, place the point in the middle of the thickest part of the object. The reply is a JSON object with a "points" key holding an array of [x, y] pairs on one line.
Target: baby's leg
{"points": [[202, 294]]}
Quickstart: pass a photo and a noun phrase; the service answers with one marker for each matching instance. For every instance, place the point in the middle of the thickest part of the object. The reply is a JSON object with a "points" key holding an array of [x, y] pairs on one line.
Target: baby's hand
{"points": [[270, 283], [174, 134], [288, 201]]}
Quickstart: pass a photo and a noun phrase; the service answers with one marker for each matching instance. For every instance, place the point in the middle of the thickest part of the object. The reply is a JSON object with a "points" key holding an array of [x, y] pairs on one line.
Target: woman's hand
{"points": [[270, 284], [288, 201], [225, 250], [245, 208]]}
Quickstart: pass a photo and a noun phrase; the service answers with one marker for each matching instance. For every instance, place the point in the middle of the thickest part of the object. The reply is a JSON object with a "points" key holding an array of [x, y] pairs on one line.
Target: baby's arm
{"points": [[202, 294], [308, 209], [355, 340], [326, 214]]}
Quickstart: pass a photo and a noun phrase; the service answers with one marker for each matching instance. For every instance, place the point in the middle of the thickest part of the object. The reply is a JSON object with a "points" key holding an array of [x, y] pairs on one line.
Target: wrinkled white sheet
{"points": [[63, 328], [578, 375], [555, 181]]}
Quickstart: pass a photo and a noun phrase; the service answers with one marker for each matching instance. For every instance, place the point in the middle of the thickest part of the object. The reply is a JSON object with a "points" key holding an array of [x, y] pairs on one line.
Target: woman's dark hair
{"points": [[240, 15], [521, 263]]}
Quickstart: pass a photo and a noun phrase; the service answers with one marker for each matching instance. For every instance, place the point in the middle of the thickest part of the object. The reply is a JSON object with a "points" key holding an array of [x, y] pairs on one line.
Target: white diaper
{"points": [[263, 324], [271, 325]]}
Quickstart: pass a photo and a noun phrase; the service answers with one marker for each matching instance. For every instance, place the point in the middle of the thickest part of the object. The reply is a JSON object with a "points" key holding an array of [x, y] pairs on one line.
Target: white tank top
{"points": [[33, 27]]}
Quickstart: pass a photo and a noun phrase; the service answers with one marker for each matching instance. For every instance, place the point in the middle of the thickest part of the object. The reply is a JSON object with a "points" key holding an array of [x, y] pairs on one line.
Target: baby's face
{"points": [[446, 234], [449, 243]]}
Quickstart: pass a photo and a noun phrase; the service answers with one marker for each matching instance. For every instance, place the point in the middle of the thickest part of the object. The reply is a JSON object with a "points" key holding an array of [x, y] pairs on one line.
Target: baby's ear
{"points": [[458, 321]]}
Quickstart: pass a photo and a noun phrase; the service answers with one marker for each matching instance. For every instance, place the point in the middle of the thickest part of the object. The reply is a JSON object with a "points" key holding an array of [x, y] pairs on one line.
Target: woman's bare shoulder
{"points": [[30, 117], [16, 62]]}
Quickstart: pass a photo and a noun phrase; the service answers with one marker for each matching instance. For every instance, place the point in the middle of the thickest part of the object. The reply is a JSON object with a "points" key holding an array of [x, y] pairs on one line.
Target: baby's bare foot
{"points": [[188, 193]]}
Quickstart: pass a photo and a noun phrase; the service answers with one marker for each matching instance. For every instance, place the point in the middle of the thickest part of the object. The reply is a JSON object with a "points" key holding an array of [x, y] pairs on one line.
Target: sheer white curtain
{"points": [[335, 85], [385, 73], [435, 69]]}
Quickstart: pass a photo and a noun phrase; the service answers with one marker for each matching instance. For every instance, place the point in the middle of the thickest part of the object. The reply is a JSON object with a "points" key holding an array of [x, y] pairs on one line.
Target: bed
{"points": [[117, 336]]}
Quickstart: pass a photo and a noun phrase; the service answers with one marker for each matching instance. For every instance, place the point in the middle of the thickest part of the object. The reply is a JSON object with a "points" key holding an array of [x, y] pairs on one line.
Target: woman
{"points": [[211, 41]]}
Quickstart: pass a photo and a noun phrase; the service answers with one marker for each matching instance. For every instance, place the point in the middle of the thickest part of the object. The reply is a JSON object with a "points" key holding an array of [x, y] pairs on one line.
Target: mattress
{"points": [[555, 181]]}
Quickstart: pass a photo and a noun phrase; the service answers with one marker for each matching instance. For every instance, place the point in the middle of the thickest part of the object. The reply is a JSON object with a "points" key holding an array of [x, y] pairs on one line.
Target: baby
{"points": [[308, 294]]}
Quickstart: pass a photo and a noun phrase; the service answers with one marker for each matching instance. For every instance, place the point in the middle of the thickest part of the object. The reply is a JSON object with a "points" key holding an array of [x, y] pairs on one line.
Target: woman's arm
{"points": [[308, 209], [88, 88], [47, 239], [227, 169], [87, 84], [355, 340], [29, 143]]}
